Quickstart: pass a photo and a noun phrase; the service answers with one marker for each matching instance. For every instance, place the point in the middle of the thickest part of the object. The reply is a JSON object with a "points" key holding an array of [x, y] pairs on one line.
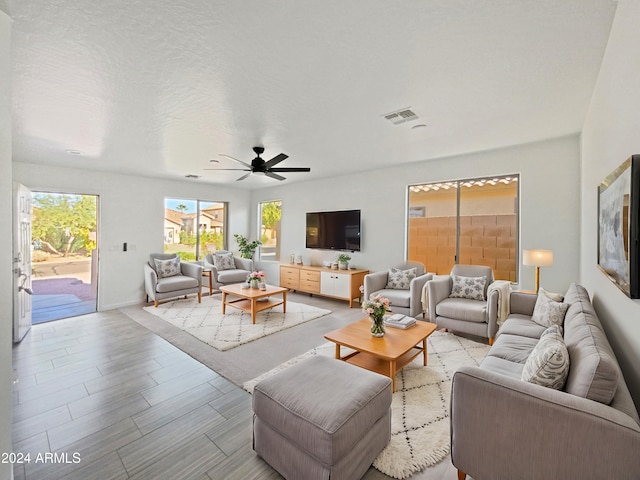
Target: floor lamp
{"points": [[537, 258]]}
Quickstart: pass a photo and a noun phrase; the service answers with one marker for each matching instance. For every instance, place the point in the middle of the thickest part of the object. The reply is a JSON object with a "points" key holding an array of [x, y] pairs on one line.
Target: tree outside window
{"points": [[270, 215]]}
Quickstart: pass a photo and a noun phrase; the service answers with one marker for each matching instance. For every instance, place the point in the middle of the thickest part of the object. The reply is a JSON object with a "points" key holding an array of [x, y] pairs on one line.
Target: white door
{"points": [[21, 262]]}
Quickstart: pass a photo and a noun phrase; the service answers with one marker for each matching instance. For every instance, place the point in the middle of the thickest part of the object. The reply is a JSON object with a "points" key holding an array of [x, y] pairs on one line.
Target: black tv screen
{"points": [[338, 230]]}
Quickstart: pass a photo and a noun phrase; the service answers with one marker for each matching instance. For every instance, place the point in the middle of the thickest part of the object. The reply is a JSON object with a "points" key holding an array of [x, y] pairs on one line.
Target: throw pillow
{"points": [[168, 268], [224, 261], [547, 312], [552, 330], [548, 363], [398, 279], [556, 297], [468, 287]]}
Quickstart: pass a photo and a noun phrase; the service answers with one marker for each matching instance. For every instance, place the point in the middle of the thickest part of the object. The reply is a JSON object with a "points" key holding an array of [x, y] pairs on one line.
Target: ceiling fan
{"points": [[258, 165]]}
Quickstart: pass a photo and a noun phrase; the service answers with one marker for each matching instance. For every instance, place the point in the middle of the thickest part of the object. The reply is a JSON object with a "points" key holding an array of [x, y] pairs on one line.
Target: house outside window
{"points": [[194, 228], [473, 222]]}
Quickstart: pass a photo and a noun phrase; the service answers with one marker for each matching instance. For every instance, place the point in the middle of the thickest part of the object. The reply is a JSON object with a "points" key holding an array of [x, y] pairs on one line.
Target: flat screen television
{"points": [[339, 230]]}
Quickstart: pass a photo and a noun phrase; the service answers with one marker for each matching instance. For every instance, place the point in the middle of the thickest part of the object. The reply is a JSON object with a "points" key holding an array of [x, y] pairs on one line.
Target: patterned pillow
{"points": [[547, 312], [168, 268], [224, 261], [548, 363], [400, 279], [468, 287]]}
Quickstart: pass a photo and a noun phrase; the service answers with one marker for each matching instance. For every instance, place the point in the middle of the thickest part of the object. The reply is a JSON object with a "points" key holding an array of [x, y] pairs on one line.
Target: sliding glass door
{"points": [[472, 221]]}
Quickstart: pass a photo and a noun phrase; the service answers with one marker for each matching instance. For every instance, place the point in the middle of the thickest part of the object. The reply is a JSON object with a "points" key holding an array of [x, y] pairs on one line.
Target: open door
{"points": [[21, 262]]}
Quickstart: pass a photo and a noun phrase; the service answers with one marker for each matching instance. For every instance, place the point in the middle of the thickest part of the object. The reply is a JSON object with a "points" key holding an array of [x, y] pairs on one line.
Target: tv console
{"points": [[324, 281]]}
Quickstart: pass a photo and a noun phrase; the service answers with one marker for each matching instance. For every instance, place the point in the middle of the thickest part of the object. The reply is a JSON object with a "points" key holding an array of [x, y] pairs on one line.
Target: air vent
{"points": [[401, 116]]}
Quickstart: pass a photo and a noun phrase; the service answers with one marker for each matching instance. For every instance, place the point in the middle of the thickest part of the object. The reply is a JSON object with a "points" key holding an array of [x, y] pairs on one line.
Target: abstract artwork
{"points": [[618, 230]]}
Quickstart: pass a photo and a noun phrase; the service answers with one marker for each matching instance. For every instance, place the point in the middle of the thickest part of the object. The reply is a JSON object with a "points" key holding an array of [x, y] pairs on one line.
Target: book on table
{"points": [[399, 321]]}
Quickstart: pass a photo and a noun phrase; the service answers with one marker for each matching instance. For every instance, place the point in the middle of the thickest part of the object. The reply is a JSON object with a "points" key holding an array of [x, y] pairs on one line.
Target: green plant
{"points": [[343, 258], [246, 248]]}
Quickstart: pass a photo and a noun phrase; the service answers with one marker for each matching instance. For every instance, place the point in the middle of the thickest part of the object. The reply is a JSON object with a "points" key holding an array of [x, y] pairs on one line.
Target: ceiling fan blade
{"points": [[235, 160], [243, 177], [240, 169], [291, 169], [273, 175], [276, 160]]}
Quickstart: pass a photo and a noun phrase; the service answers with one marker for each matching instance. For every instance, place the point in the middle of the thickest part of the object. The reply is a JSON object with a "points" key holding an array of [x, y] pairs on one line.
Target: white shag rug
{"points": [[420, 406], [206, 322]]}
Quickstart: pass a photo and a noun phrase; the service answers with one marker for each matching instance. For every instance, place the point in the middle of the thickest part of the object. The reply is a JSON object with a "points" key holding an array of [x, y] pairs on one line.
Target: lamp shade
{"points": [[537, 258]]}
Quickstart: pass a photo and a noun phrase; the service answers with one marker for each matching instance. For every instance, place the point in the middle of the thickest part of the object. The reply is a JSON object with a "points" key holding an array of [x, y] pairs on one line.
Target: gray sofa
{"points": [[504, 428]]}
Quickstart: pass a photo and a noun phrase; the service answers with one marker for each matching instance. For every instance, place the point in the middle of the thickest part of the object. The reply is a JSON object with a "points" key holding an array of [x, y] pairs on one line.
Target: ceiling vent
{"points": [[401, 116]]}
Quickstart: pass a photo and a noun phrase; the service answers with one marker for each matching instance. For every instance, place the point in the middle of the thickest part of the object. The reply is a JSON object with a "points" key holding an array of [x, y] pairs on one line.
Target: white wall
{"points": [[6, 227], [131, 209], [609, 137], [549, 206]]}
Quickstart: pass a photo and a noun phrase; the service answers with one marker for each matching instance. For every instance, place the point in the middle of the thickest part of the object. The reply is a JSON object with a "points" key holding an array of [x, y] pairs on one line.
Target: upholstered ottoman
{"points": [[322, 418]]}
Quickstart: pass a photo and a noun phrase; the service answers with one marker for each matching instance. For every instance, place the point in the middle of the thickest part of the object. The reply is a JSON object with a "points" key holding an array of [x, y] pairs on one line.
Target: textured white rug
{"points": [[224, 332], [420, 405]]}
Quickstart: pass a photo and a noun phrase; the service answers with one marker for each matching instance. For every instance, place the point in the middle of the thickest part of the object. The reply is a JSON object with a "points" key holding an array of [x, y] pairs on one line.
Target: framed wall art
{"points": [[618, 228]]}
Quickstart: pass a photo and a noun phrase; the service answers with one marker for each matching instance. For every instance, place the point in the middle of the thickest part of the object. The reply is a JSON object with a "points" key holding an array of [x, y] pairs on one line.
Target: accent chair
{"points": [[458, 302], [401, 284], [165, 276], [226, 268]]}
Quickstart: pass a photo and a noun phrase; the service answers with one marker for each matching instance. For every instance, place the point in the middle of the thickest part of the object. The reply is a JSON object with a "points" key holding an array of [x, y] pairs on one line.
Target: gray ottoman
{"points": [[322, 418]]}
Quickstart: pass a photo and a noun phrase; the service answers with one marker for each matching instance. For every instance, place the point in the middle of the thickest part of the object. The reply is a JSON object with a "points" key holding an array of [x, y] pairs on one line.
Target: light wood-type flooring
{"points": [[112, 399]]}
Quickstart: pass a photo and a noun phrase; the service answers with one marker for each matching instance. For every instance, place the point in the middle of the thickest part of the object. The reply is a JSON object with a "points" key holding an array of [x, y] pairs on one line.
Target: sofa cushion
{"points": [[167, 268], [548, 364], [594, 370], [522, 325], [399, 298], [224, 261], [398, 279], [548, 312], [232, 276], [468, 287], [175, 282], [502, 366], [513, 348], [462, 309]]}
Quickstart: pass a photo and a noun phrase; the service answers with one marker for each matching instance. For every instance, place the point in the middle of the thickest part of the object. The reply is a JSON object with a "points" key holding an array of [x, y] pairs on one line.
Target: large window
{"points": [[193, 228], [270, 215], [465, 221]]}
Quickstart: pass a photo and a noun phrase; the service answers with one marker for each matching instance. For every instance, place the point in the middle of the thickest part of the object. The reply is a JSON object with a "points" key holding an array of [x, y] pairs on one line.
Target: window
{"points": [[270, 215], [193, 228], [465, 221]]}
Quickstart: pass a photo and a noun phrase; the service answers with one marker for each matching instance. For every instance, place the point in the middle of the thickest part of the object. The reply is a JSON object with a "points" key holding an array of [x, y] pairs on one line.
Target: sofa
{"points": [[503, 427]]}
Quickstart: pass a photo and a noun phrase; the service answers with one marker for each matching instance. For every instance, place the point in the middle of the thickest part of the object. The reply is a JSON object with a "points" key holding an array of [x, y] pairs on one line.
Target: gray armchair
{"points": [[237, 273], [476, 317], [405, 301], [157, 287]]}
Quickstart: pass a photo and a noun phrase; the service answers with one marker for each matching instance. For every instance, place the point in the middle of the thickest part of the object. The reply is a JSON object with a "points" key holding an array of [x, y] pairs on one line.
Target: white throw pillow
{"points": [[556, 297], [548, 363], [398, 279], [468, 287], [224, 261], [168, 268], [547, 312]]}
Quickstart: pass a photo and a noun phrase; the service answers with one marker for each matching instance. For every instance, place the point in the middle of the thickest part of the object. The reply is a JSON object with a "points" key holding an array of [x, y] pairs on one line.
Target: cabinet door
{"points": [[342, 285], [326, 283]]}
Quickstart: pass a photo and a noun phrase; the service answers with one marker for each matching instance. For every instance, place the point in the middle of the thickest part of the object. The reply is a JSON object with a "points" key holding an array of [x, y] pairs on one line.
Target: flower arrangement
{"points": [[257, 276], [376, 307]]}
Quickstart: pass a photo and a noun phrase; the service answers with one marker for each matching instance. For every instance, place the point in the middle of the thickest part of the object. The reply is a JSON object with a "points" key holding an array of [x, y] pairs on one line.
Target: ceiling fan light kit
{"points": [[260, 166]]}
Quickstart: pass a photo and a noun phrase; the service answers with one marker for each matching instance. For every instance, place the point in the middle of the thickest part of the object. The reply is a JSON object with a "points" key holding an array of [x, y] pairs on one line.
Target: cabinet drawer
{"points": [[309, 276], [289, 278], [309, 286]]}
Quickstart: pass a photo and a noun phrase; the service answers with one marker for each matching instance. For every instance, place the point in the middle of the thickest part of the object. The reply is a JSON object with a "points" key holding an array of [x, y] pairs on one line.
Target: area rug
{"points": [[420, 405], [206, 322]]}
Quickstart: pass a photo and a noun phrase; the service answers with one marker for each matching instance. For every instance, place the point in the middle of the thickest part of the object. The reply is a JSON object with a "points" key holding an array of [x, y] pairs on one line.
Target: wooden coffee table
{"points": [[248, 298], [385, 355]]}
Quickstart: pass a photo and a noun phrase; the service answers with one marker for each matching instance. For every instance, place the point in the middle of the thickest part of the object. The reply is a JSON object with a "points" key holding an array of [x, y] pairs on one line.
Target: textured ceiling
{"points": [[161, 87]]}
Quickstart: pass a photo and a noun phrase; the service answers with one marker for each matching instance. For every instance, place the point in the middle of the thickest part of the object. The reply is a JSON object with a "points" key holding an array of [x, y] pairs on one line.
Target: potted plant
{"points": [[246, 248], [343, 261]]}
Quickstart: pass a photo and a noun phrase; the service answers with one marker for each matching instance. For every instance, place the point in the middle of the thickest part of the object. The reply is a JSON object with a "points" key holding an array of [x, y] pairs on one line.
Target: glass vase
{"points": [[254, 283], [377, 325]]}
